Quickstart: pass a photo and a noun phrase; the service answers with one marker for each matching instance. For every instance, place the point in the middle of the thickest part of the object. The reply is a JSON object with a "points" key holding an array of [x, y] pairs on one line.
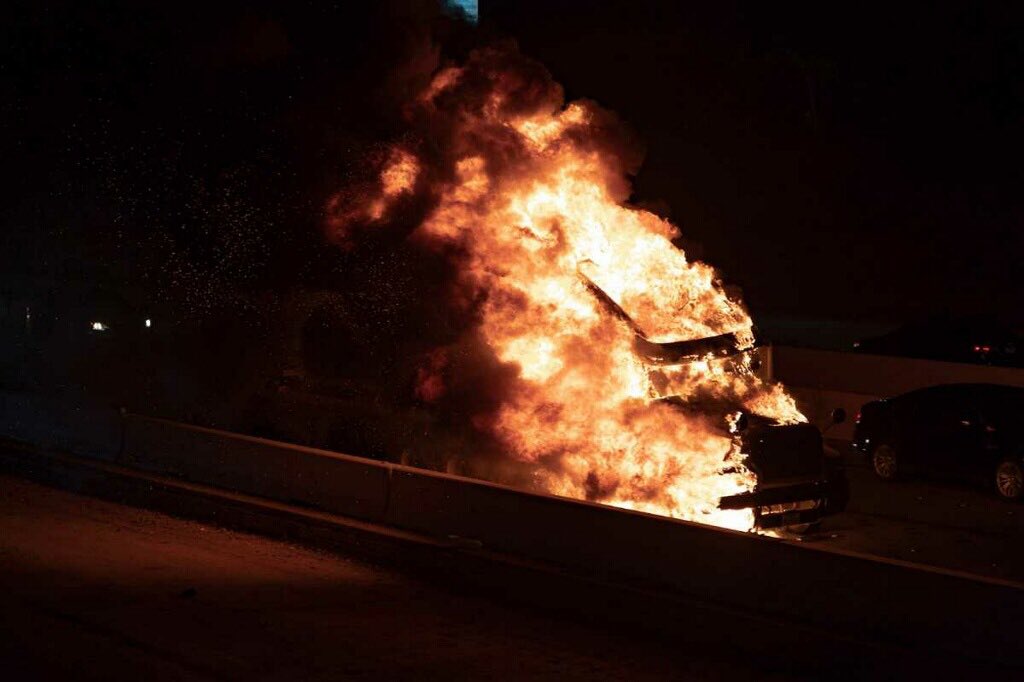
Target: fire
{"points": [[532, 206], [348, 209]]}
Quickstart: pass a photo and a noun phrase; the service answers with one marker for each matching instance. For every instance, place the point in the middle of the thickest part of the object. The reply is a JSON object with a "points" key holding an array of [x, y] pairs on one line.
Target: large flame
{"points": [[530, 198]]}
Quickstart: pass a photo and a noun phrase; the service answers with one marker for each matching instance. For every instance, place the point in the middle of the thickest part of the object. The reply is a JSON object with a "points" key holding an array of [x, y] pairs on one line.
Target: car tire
{"points": [[885, 462], [1009, 480]]}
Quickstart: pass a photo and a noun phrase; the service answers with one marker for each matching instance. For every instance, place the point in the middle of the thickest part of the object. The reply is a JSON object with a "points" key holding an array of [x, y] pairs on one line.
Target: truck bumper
{"points": [[790, 505]]}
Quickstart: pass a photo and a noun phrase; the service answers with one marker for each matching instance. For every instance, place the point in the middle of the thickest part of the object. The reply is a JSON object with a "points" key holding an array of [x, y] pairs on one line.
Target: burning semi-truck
{"points": [[574, 349]]}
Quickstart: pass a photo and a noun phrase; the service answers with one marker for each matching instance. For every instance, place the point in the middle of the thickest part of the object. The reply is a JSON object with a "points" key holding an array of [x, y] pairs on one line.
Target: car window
{"points": [[944, 404], [1003, 407]]}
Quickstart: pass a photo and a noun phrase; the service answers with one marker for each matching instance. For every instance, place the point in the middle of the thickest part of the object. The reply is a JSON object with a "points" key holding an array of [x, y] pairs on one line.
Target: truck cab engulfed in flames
{"points": [[798, 484]]}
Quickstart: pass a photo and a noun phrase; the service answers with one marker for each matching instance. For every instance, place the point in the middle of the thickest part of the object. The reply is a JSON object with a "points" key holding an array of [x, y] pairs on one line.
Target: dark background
{"points": [[847, 160], [853, 162]]}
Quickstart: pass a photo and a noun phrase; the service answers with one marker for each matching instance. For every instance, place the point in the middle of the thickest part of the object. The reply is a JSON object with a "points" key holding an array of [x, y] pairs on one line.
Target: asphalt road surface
{"points": [[93, 590]]}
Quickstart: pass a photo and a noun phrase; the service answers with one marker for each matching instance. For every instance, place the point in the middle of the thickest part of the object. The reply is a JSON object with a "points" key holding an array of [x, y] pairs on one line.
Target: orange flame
{"points": [[348, 210], [532, 202]]}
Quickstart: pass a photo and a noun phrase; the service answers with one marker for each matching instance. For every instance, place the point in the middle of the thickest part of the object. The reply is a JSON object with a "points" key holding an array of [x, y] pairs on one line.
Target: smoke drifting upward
{"points": [[523, 197]]}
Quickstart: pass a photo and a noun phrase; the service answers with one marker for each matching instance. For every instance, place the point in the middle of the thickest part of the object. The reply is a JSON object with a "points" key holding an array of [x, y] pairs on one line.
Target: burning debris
{"points": [[584, 301]]}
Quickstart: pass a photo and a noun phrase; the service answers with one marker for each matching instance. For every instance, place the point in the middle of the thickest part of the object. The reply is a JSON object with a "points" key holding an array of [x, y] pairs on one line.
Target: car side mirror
{"points": [[838, 415]]}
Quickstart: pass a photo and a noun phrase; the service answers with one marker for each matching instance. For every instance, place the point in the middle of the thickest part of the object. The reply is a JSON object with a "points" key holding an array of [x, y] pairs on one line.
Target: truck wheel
{"points": [[885, 462], [1010, 480]]}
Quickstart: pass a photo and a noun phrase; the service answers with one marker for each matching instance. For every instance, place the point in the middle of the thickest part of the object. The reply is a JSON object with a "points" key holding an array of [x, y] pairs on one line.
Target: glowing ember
{"points": [[529, 199]]}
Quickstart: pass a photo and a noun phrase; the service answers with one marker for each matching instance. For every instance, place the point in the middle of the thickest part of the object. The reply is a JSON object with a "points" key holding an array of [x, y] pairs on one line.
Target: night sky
{"points": [[852, 163]]}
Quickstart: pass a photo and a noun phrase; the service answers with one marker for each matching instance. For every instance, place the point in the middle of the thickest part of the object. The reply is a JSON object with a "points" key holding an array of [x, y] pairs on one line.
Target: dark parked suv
{"points": [[965, 432]]}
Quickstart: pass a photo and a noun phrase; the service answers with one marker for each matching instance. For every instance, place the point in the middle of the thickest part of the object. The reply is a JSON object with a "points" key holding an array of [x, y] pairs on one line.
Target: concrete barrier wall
{"points": [[878, 374], [737, 569], [350, 486], [818, 404], [834, 590], [822, 380]]}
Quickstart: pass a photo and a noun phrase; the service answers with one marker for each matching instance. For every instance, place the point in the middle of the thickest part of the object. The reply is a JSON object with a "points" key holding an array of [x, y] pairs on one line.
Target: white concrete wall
{"points": [[822, 380]]}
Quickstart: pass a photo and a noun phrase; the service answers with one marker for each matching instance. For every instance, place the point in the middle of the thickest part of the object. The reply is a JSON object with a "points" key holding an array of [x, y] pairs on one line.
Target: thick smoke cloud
{"points": [[456, 371]]}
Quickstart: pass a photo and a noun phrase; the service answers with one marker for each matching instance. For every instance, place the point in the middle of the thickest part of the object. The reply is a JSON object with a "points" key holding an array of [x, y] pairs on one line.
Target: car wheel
{"points": [[885, 462], [1010, 479]]}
